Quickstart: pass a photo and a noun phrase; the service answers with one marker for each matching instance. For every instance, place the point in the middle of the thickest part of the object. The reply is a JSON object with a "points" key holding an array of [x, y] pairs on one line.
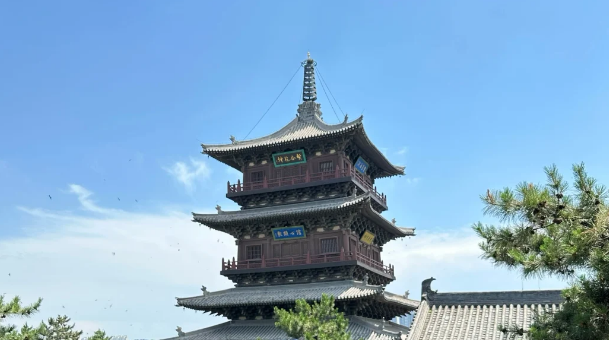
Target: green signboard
{"points": [[288, 233], [289, 158]]}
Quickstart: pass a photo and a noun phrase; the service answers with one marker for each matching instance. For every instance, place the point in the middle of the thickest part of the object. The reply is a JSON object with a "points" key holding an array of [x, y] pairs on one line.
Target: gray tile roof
{"points": [[477, 315], [301, 209], [359, 327], [271, 295], [302, 129], [297, 130]]}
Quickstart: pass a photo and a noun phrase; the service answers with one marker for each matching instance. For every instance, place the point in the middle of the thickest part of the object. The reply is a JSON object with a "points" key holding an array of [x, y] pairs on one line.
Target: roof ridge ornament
{"points": [[426, 291], [233, 139], [180, 333]]}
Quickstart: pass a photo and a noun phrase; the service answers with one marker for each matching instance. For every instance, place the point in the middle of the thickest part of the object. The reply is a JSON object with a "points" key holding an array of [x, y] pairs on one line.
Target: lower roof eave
{"points": [[359, 327]]}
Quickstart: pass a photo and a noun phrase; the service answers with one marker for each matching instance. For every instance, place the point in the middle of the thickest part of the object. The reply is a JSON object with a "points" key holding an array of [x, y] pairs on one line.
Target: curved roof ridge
{"points": [[292, 127]]}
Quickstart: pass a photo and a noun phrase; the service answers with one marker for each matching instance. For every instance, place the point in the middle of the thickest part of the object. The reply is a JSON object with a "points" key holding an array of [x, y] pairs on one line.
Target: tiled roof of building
{"points": [[271, 295], [359, 327], [296, 130], [477, 315], [311, 127], [299, 210]]}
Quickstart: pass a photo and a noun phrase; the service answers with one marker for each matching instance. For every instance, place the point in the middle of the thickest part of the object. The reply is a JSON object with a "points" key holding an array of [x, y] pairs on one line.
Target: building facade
{"points": [[310, 223]]}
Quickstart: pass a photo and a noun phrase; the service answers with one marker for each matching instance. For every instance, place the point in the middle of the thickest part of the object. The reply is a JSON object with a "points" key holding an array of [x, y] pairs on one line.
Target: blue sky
{"points": [[101, 101]]}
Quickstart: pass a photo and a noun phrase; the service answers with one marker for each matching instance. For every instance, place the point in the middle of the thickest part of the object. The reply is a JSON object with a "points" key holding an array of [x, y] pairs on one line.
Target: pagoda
{"points": [[310, 223]]}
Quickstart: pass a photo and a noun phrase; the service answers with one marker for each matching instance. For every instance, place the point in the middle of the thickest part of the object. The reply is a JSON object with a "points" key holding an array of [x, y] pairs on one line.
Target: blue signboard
{"points": [[288, 233], [361, 165]]}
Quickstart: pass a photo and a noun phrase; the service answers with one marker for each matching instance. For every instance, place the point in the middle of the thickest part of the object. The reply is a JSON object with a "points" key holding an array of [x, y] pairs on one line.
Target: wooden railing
{"points": [[308, 178], [307, 259]]}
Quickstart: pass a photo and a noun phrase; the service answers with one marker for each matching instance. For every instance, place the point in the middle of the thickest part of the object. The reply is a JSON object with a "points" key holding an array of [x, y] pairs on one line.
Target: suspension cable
{"points": [[267, 110]]}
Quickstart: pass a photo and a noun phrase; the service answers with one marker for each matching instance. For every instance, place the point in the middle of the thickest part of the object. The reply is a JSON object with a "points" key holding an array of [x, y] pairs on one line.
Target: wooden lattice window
{"points": [[290, 249], [328, 245], [276, 250], [257, 176], [253, 252], [326, 166]]}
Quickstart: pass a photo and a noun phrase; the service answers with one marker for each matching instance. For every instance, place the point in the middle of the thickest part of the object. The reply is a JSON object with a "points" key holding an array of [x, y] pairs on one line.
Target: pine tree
{"points": [[317, 321], [552, 230], [14, 308], [99, 335], [60, 329]]}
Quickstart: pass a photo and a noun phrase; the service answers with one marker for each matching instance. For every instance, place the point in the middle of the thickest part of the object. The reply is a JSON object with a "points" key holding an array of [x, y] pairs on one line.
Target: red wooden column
{"points": [[308, 257], [263, 262]]}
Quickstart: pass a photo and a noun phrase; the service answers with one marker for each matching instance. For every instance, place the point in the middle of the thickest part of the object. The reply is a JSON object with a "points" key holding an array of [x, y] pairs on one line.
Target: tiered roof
{"points": [[477, 315], [282, 294], [359, 327], [299, 130], [222, 219]]}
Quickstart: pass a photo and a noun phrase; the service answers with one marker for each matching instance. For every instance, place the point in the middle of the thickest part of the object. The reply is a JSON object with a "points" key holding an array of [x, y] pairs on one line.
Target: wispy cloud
{"points": [[119, 268], [189, 174], [413, 180], [402, 151]]}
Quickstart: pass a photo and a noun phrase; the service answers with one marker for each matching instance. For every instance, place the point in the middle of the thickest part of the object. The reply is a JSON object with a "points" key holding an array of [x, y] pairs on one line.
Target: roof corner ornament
{"points": [[383, 323], [393, 221], [406, 294], [204, 290], [179, 330], [365, 279], [233, 139], [426, 291], [400, 335], [346, 119], [219, 209]]}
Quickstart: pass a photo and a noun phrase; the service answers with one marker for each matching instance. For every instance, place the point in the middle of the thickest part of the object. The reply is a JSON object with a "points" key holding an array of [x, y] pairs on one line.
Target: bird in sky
{"points": [[136, 201], [118, 198], [50, 197]]}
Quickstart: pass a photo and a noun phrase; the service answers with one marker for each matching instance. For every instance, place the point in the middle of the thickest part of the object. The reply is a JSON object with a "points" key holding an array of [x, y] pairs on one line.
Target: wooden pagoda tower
{"points": [[310, 223]]}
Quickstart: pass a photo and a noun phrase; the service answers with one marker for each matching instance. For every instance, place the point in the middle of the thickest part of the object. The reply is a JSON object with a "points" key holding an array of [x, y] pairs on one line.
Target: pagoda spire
{"points": [[309, 108], [309, 92]]}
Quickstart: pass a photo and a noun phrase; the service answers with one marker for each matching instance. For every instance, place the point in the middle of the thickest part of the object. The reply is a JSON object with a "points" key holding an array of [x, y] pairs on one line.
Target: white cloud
{"points": [[68, 260], [454, 259], [402, 151], [189, 175], [413, 180], [120, 270]]}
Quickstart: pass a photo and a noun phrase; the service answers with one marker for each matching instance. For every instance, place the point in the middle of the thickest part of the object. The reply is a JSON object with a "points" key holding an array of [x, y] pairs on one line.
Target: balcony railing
{"points": [[306, 259], [362, 179]]}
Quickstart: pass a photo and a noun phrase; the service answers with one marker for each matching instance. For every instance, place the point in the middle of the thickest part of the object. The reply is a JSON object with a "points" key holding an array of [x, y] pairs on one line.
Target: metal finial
{"points": [[308, 55]]}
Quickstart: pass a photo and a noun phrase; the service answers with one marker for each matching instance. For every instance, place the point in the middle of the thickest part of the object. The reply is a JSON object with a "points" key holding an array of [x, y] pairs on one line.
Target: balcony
{"points": [[308, 260], [285, 182]]}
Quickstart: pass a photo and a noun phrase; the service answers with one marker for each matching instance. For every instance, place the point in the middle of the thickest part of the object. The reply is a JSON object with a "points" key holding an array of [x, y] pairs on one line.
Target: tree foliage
{"points": [[99, 335], [557, 231], [14, 308], [59, 328], [319, 320]]}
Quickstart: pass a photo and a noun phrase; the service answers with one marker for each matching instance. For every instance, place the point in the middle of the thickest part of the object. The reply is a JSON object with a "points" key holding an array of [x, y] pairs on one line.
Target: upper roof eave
{"points": [[296, 130], [299, 130]]}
